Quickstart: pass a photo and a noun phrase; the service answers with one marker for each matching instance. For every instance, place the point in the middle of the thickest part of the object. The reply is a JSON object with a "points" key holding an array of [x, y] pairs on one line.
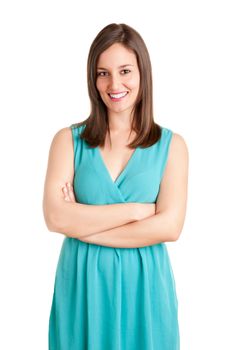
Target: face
{"points": [[118, 78]]}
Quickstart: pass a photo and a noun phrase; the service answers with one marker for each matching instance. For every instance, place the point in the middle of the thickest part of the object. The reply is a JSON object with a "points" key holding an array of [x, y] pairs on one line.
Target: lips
{"points": [[118, 95]]}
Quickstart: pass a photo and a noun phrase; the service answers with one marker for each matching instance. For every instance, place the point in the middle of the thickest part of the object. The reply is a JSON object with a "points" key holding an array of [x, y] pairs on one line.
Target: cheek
{"points": [[134, 82], [101, 85]]}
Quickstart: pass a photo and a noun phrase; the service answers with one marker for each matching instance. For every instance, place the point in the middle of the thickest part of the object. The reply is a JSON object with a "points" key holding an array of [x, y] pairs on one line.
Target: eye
{"points": [[126, 70], [101, 74]]}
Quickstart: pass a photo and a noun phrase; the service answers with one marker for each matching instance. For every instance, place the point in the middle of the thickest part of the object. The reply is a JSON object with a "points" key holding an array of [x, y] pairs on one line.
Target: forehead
{"points": [[116, 55]]}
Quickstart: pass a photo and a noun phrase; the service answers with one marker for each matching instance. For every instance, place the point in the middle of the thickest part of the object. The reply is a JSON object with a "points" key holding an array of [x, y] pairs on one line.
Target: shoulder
{"points": [[178, 152], [62, 140], [67, 131], [63, 135], [67, 136], [64, 132], [178, 143]]}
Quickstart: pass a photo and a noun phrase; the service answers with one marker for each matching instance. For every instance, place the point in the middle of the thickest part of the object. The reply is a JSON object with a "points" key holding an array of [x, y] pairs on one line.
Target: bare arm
{"points": [[153, 230], [81, 220], [76, 219], [167, 224]]}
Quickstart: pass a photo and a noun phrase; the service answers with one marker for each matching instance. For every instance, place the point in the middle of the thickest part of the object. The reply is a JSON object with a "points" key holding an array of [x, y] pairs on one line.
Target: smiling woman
{"points": [[114, 286], [115, 85]]}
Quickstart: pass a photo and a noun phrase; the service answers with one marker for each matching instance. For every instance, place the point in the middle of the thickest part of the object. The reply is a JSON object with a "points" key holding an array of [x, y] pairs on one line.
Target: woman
{"points": [[116, 187]]}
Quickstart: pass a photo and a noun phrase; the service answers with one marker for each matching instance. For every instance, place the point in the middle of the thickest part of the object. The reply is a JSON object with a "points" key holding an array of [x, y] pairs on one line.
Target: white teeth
{"points": [[118, 95]]}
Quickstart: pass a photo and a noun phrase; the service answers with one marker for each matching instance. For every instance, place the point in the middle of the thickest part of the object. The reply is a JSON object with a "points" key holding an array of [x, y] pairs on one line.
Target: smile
{"points": [[116, 97]]}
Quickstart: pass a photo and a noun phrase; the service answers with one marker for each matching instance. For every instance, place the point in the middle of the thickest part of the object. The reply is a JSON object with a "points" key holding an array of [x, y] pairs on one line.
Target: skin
{"points": [[111, 78], [168, 218], [117, 71], [68, 192]]}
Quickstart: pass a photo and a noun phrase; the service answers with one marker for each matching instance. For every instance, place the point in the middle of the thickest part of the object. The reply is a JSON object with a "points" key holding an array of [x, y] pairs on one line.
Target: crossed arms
{"points": [[122, 225]]}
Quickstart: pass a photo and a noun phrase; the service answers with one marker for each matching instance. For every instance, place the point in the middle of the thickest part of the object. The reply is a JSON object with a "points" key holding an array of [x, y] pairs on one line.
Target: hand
{"points": [[68, 192]]}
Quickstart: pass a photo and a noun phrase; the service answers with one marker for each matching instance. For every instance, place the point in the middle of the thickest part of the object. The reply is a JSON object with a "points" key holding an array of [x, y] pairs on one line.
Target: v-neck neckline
{"points": [[123, 170]]}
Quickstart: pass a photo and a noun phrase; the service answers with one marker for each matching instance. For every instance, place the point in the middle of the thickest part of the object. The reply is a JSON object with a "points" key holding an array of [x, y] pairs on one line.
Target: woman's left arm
{"points": [[166, 225]]}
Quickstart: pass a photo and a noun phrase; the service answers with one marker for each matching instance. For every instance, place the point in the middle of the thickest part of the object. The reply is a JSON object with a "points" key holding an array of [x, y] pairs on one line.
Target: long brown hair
{"points": [[148, 132]]}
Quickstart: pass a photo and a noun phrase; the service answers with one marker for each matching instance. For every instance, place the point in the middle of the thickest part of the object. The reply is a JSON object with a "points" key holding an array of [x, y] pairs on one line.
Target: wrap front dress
{"points": [[108, 298]]}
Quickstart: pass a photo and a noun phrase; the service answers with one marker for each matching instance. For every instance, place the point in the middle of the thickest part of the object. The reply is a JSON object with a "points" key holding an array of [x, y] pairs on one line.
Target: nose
{"points": [[115, 82]]}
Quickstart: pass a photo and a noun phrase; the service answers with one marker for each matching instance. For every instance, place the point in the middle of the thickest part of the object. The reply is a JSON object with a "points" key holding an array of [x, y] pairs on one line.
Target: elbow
{"points": [[175, 236], [55, 224], [51, 221], [176, 232], [51, 224], [52, 217]]}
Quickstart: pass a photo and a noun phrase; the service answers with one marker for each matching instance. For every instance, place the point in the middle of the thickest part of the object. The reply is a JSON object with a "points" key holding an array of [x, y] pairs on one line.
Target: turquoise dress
{"points": [[109, 298]]}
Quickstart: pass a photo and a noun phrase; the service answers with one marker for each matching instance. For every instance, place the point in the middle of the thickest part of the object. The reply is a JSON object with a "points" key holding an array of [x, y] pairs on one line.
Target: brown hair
{"points": [[148, 132]]}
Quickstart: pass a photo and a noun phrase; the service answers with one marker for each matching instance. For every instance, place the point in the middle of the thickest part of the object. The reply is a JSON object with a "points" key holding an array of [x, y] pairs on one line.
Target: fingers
{"points": [[68, 192], [65, 193], [71, 192]]}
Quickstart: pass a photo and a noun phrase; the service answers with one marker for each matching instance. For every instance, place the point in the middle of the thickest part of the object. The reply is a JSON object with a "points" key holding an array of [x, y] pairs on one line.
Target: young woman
{"points": [[116, 187]]}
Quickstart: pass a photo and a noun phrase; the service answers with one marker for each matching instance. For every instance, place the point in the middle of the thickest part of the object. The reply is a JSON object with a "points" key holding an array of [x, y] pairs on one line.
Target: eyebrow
{"points": [[124, 65]]}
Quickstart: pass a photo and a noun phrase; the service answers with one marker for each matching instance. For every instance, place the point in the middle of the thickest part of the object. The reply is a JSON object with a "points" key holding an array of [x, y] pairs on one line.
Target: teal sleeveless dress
{"points": [[108, 298]]}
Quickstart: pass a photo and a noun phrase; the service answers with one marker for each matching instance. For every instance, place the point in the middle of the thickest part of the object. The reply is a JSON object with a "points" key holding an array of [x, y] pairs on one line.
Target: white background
{"points": [[44, 47]]}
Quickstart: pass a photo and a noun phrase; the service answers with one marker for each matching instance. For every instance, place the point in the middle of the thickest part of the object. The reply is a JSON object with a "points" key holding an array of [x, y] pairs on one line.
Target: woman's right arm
{"points": [[72, 218]]}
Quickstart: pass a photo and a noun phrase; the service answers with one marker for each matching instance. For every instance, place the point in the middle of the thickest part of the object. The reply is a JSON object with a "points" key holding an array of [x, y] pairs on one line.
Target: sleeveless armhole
{"points": [[74, 136], [165, 146], [76, 144]]}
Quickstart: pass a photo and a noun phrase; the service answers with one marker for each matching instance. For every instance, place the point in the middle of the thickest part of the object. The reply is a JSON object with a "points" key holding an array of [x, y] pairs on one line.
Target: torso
{"points": [[117, 156]]}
